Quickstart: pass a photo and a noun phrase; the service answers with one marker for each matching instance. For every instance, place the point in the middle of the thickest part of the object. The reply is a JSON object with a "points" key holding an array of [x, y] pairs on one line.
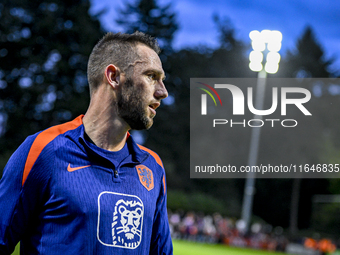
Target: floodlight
{"points": [[254, 35], [271, 68], [259, 42], [266, 35], [255, 66], [256, 56], [258, 45]]}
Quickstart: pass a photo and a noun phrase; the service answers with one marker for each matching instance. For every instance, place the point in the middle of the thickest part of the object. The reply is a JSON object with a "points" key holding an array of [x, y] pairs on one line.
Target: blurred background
{"points": [[44, 47]]}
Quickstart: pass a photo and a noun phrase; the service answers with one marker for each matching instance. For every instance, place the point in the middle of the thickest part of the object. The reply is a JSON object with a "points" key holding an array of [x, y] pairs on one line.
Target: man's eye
{"points": [[152, 76]]}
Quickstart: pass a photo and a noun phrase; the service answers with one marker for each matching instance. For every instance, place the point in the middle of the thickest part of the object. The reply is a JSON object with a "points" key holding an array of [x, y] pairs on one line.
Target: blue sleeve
{"points": [[18, 202], [161, 238]]}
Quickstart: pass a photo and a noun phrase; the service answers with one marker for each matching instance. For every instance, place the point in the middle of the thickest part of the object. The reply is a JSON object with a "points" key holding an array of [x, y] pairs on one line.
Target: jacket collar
{"points": [[79, 137]]}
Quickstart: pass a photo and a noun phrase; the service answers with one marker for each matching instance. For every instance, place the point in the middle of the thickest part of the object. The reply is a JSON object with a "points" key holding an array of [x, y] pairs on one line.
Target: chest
{"points": [[116, 204]]}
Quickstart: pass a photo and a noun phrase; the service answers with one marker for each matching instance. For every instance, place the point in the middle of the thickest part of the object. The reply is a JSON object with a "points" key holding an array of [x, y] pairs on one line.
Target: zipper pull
{"points": [[116, 173]]}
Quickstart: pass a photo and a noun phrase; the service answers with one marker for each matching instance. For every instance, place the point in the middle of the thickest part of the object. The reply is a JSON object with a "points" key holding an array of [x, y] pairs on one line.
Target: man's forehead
{"points": [[148, 58], [148, 55]]}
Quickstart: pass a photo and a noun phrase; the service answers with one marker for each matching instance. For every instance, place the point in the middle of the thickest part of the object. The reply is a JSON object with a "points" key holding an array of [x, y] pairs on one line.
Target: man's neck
{"points": [[102, 124], [105, 134]]}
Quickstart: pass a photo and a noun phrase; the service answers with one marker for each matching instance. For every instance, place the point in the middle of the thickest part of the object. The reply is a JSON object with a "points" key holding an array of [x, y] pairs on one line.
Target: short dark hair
{"points": [[118, 49]]}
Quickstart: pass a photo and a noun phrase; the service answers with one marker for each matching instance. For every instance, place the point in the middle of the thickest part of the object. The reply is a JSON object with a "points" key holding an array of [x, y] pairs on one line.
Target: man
{"points": [[85, 187]]}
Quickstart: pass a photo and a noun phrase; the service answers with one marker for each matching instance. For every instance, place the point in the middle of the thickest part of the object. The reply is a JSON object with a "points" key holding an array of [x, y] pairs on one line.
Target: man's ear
{"points": [[112, 75]]}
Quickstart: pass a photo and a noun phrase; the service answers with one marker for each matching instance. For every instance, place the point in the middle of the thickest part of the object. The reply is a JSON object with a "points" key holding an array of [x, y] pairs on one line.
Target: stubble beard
{"points": [[132, 107]]}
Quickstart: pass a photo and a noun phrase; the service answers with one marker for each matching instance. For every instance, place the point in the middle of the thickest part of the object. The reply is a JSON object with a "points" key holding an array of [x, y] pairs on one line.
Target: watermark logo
{"points": [[239, 99], [204, 97], [280, 97]]}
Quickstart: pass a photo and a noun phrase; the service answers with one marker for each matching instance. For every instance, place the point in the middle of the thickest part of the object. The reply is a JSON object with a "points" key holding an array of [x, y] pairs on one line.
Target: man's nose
{"points": [[161, 91]]}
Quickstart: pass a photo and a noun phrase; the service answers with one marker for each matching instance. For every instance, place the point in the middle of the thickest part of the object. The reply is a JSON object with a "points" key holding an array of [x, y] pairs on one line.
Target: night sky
{"points": [[289, 16]]}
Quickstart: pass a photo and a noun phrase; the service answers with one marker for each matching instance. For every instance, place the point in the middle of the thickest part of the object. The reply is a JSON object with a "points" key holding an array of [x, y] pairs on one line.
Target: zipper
{"points": [[115, 173]]}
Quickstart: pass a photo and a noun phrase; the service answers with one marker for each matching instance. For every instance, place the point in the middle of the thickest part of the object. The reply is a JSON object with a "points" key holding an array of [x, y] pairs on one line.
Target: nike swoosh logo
{"points": [[71, 169]]}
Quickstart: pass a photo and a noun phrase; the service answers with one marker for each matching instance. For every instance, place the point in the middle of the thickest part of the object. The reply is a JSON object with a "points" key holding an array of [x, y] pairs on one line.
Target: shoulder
{"points": [[13, 171], [41, 144], [153, 154]]}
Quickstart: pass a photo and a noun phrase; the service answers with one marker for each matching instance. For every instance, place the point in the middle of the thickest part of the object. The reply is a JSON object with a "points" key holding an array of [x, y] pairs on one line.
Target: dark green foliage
{"points": [[198, 202], [325, 218], [307, 60], [44, 47], [149, 17]]}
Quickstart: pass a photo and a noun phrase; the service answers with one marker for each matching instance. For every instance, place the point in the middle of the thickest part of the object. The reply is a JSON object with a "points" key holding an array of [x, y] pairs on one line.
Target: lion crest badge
{"points": [[127, 224], [120, 220], [145, 177]]}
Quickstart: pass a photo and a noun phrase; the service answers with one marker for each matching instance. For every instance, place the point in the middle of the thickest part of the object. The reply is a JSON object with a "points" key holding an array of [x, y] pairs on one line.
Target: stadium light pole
{"points": [[270, 42]]}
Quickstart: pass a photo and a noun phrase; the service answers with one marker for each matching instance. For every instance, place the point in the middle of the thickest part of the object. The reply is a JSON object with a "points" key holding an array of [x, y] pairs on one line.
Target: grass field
{"points": [[190, 248]]}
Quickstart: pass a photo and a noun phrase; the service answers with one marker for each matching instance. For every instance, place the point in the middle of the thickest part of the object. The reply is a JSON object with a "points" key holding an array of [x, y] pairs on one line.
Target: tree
{"points": [[308, 60], [229, 59], [149, 17], [43, 61]]}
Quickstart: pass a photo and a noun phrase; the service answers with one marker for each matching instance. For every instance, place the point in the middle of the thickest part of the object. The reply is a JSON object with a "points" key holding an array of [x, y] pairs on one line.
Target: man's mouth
{"points": [[153, 108]]}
